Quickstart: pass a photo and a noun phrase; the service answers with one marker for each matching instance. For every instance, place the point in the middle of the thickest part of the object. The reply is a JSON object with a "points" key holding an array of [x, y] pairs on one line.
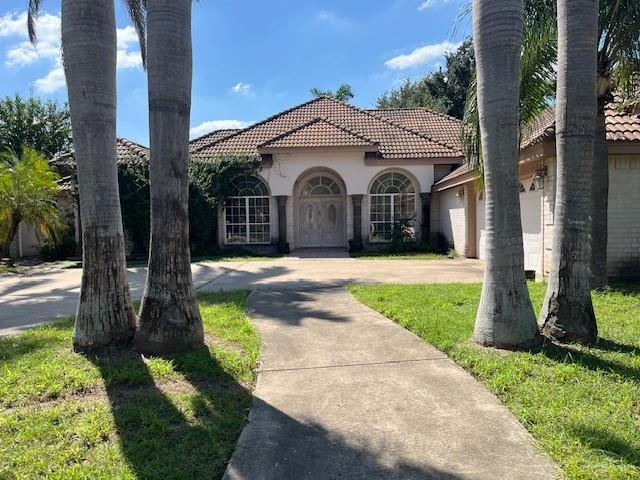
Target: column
{"points": [[355, 244], [426, 217], [282, 245]]}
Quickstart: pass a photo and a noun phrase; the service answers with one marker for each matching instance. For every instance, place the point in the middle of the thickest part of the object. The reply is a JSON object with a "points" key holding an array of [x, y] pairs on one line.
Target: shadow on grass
{"points": [[609, 442], [181, 430], [591, 361]]}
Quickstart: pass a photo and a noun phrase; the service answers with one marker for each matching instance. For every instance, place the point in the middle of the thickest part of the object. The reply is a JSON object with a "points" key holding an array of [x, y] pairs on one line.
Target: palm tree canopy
{"points": [[137, 12], [28, 193]]}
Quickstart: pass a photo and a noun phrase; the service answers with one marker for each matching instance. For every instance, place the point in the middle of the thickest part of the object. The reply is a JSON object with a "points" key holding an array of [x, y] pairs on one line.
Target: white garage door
{"points": [[530, 204]]}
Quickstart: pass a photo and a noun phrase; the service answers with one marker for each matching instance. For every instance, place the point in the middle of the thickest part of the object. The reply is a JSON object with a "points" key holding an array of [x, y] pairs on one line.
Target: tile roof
{"points": [[621, 126], [438, 126], [319, 132], [211, 137], [394, 139]]}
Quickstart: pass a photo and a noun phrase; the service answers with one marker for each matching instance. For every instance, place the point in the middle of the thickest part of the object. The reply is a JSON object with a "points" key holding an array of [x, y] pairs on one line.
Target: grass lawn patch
{"points": [[121, 415], [581, 404], [6, 269], [387, 255]]}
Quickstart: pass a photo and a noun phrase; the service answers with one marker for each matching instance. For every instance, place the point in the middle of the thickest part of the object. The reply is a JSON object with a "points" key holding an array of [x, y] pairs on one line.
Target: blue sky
{"points": [[251, 58]]}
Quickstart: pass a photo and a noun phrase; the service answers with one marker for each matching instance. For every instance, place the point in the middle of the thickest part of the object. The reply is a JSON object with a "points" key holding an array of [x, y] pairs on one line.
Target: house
{"points": [[458, 208], [334, 175]]}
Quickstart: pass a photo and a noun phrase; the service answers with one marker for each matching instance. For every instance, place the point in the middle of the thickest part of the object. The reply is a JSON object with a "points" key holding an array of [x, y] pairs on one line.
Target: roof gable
{"points": [[319, 132]]}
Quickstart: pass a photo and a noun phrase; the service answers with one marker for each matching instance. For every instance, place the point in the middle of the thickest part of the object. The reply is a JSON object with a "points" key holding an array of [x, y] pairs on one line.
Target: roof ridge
{"points": [[415, 132], [262, 122], [214, 131], [326, 120], [139, 145], [426, 109]]}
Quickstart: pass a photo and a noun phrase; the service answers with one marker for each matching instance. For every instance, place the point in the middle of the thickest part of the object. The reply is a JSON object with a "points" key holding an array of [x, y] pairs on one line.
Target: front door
{"points": [[321, 222]]}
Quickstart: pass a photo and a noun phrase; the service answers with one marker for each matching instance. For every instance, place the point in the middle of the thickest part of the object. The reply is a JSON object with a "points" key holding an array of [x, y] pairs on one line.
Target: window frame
{"points": [[245, 205], [395, 198]]}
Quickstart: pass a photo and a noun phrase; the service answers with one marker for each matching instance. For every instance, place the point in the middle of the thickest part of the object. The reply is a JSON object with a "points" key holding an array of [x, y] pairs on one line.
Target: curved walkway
{"points": [[345, 393]]}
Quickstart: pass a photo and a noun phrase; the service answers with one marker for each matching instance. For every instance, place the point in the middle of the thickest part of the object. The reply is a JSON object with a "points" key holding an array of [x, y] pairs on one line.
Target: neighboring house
{"points": [[459, 208], [334, 175]]}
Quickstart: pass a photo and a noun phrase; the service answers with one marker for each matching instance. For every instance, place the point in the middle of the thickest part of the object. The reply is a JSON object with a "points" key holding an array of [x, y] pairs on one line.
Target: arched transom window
{"points": [[321, 185], [392, 202], [246, 213]]}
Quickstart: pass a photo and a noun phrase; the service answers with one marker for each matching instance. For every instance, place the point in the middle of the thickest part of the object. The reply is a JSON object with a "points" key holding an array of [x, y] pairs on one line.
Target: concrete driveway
{"points": [[39, 296]]}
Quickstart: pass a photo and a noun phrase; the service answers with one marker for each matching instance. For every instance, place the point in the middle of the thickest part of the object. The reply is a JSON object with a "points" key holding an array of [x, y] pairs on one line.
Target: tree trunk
{"points": [[505, 317], [599, 202], [169, 315], [5, 251], [105, 313], [567, 313]]}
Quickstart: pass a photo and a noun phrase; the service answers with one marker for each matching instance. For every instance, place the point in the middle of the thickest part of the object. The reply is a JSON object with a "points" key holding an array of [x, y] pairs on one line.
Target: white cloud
{"points": [[431, 3], [330, 18], [245, 89], [421, 55], [48, 49], [212, 125]]}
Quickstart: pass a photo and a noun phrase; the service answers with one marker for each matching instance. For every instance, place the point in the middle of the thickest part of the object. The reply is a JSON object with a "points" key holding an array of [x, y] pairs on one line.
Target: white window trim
{"points": [[247, 222], [373, 239]]}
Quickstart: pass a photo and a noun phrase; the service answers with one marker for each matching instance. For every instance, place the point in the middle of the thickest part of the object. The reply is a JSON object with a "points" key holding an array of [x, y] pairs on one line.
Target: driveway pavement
{"points": [[345, 393], [38, 296]]}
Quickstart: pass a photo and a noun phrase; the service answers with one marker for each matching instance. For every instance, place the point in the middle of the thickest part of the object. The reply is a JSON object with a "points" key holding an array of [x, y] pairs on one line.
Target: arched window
{"points": [[246, 213], [392, 204], [321, 185]]}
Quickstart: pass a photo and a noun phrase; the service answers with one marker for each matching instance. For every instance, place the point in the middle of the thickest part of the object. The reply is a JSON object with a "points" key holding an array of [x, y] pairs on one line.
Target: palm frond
{"points": [[33, 10], [137, 10]]}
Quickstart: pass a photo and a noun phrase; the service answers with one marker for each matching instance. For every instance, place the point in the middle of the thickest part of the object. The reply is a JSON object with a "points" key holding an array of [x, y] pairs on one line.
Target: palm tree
{"points": [[567, 313], [618, 64], [105, 312], [505, 316], [28, 193], [169, 315]]}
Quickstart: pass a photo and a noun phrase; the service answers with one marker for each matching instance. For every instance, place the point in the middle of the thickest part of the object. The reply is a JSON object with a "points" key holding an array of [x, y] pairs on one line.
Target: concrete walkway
{"points": [[344, 393], [37, 297]]}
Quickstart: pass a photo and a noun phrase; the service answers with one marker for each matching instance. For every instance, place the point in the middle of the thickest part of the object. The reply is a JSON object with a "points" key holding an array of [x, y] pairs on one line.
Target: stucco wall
{"points": [[452, 219]]}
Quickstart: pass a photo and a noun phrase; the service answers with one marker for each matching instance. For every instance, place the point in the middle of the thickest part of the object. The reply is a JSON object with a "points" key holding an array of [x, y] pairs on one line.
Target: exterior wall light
{"points": [[538, 178], [460, 196]]}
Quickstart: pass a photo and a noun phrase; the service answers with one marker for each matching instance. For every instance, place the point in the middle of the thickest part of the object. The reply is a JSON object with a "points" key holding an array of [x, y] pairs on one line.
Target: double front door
{"points": [[322, 222]]}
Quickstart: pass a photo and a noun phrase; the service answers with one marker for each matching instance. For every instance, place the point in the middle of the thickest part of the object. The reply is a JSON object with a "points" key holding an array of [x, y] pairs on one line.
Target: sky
{"points": [[252, 58]]}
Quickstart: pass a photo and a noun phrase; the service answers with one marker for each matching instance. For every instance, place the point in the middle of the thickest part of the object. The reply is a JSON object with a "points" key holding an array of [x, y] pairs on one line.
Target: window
{"points": [[392, 199], [321, 185], [246, 214]]}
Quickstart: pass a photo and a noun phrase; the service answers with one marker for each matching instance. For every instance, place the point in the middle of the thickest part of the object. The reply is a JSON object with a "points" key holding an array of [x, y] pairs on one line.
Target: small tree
{"points": [[28, 193], [344, 93], [33, 123]]}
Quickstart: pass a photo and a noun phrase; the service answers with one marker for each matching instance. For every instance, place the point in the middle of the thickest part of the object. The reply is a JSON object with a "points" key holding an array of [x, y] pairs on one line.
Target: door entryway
{"points": [[321, 213]]}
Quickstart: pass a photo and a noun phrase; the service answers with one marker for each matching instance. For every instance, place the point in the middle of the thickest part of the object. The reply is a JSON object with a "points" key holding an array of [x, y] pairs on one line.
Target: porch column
{"points": [[283, 245], [355, 244], [426, 216]]}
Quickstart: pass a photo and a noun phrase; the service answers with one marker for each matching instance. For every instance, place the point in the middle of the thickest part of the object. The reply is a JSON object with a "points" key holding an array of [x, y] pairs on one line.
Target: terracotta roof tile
{"points": [[319, 132], [621, 126], [210, 138], [438, 126], [395, 140]]}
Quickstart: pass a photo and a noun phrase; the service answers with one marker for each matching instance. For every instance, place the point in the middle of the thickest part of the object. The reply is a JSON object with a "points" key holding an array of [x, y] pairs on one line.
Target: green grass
{"points": [[387, 255], [581, 404], [120, 415], [6, 269]]}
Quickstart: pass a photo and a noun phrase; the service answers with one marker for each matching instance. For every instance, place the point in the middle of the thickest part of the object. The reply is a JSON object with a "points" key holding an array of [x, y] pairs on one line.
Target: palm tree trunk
{"points": [[5, 251], [105, 312], [567, 313], [599, 202], [169, 315], [505, 316]]}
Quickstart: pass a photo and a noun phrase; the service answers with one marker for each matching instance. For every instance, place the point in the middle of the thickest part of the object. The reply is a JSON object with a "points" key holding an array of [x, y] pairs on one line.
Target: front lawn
{"points": [[582, 405], [120, 415], [6, 269], [389, 255]]}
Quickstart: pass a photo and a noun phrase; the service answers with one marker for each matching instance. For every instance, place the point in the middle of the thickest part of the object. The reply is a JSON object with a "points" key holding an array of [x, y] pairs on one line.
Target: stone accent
{"points": [[282, 245], [355, 244]]}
